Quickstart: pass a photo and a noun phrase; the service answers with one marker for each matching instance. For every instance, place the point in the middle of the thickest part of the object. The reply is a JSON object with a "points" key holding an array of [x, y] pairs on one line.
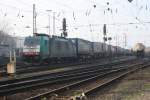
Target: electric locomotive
{"points": [[41, 47]]}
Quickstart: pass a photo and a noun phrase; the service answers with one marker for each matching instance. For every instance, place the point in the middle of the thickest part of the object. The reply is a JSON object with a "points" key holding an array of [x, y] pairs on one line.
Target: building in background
{"points": [[19, 42]]}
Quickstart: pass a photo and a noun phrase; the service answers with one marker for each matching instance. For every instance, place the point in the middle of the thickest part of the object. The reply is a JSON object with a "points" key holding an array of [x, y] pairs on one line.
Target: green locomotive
{"points": [[41, 47]]}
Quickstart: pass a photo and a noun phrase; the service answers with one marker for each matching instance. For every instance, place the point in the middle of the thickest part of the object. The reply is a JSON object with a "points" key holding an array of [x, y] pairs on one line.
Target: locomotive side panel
{"points": [[44, 47], [61, 47]]}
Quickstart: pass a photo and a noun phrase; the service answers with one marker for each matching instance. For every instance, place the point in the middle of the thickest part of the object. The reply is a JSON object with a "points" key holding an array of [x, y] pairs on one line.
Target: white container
{"points": [[97, 47]]}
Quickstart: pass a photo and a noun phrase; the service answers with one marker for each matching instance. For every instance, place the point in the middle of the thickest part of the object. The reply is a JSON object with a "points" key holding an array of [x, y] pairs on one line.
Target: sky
{"points": [[85, 19]]}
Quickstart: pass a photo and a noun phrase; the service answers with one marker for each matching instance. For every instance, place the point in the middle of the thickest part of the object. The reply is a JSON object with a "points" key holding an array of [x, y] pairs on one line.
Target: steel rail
{"points": [[23, 85], [16, 79], [114, 79], [14, 87], [77, 83], [32, 68]]}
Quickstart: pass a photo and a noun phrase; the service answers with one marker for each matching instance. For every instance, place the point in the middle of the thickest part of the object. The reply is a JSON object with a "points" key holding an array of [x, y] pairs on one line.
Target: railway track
{"points": [[89, 85], [60, 70], [18, 85], [29, 68]]}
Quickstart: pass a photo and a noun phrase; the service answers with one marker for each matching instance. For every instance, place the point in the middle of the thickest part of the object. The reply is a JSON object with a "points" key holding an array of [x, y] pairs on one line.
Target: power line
{"points": [[27, 11], [22, 2], [14, 7], [97, 25], [65, 5]]}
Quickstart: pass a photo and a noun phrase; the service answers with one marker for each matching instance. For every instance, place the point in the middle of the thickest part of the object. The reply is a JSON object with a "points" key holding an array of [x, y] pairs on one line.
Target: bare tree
{"points": [[5, 38]]}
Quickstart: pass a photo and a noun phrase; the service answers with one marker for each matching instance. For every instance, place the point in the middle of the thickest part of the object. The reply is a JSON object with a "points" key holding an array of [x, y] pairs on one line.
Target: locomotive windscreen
{"points": [[31, 41]]}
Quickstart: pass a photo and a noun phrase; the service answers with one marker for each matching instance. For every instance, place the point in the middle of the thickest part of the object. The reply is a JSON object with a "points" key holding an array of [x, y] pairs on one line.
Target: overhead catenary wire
{"points": [[24, 11], [41, 12]]}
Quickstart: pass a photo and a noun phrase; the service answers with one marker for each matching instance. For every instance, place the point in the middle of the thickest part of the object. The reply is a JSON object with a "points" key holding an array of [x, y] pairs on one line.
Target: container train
{"points": [[41, 47]]}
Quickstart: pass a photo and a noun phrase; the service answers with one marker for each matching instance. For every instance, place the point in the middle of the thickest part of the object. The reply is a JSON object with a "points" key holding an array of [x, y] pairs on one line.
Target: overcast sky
{"points": [[84, 20]]}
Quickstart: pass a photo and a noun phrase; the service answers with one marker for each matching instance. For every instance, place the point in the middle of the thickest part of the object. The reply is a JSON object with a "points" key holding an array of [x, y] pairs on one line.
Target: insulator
{"points": [[64, 24], [104, 29]]}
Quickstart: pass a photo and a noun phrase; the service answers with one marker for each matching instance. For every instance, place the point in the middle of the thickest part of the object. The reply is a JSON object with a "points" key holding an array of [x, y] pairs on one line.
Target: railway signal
{"points": [[130, 1], [104, 29], [64, 33]]}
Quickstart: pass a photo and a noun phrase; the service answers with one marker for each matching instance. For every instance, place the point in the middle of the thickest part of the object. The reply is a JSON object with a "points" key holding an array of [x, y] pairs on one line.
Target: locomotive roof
{"points": [[41, 34], [60, 38], [79, 39]]}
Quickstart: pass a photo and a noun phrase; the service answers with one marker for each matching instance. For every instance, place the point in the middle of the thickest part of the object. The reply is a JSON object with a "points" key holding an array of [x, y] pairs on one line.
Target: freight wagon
{"points": [[83, 48], [98, 49], [147, 51], [139, 50]]}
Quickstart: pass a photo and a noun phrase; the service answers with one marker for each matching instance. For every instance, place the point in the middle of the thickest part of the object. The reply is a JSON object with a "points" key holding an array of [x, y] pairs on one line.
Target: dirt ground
{"points": [[135, 86]]}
